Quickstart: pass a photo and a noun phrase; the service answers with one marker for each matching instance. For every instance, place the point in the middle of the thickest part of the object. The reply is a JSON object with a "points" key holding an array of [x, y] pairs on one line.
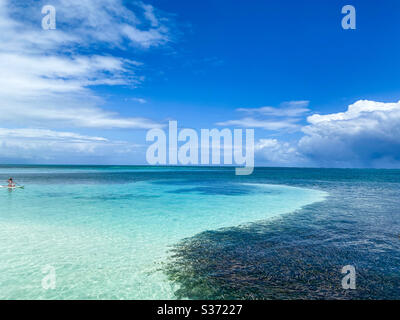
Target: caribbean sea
{"points": [[133, 232]]}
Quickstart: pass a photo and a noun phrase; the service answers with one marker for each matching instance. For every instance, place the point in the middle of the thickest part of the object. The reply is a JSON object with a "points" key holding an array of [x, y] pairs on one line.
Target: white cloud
{"points": [[150, 14], [44, 144], [286, 117], [35, 76], [361, 108], [48, 135], [145, 38], [94, 21], [366, 135], [46, 81], [296, 104], [287, 109], [89, 117], [263, 124], [140, 100], [272, 152]]}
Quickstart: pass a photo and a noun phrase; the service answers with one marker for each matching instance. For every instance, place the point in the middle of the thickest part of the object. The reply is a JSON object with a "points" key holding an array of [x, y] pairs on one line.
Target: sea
{"points": [[143, 232]]}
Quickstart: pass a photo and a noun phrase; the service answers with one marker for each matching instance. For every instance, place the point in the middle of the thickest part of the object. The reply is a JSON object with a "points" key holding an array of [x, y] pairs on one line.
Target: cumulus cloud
{"points": [[276, 153], [366, 135]]}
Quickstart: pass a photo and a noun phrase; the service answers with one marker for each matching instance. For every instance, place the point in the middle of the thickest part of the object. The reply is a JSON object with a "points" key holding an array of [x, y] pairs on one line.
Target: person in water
{"points": [[11, 183]]}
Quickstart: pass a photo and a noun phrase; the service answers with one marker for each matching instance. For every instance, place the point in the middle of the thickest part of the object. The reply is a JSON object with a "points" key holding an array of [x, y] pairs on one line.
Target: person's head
{"points": [[11, 179]]}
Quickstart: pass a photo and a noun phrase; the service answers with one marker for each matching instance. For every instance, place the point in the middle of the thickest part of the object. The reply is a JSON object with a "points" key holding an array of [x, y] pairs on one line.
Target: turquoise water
{"points": [[107, 231]]}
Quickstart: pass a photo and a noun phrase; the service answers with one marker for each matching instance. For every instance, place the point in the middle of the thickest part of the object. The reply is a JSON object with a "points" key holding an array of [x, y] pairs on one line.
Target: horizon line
{"points": [[188, 166]]}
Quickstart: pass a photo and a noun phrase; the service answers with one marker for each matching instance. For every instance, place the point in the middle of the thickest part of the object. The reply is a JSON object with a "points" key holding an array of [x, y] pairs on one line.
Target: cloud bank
{"points": [[38, 145], [367, 134], [47, 76]]}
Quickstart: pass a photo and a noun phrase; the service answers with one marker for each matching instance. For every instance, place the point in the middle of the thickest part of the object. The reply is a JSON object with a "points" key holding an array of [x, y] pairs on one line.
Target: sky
{"points": [[88, 91]]}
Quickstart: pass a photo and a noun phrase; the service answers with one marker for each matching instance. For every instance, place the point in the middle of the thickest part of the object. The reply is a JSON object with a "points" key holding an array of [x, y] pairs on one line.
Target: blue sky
{"points": [[88, 91]]}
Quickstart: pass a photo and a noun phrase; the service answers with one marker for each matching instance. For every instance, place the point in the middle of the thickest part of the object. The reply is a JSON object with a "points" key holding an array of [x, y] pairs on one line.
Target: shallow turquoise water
{"points": [[107, 231]]}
